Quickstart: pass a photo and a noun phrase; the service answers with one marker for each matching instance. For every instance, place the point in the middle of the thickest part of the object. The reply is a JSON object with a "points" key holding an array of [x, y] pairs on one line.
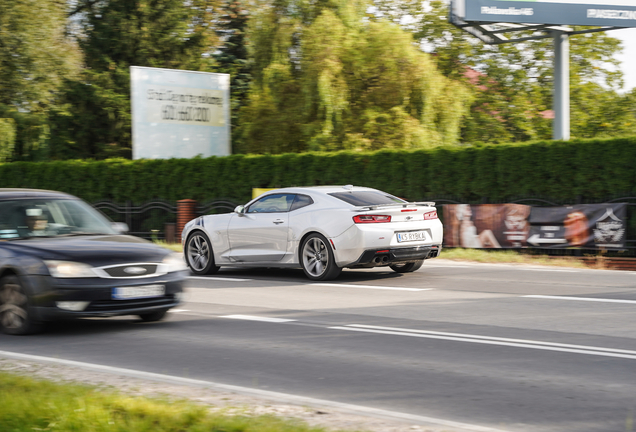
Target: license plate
{"points": [[126, 293], [411, 236]]}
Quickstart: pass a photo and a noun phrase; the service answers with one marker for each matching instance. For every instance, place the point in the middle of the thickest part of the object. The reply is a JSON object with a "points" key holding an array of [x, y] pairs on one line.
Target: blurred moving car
{"points": [[60, 258], [320, 229]]}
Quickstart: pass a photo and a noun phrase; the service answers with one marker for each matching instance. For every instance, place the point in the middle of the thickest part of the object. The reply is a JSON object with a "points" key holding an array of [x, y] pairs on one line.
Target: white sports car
{"points": [[320, 229]]}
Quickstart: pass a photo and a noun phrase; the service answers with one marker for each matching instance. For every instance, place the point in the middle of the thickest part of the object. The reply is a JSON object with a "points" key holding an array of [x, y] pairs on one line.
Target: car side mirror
{"points": [[240, 210], [120, 227]]}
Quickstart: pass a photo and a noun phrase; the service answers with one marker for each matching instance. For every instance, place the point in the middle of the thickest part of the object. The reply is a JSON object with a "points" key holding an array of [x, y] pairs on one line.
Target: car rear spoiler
{"points": [[388, 206]]}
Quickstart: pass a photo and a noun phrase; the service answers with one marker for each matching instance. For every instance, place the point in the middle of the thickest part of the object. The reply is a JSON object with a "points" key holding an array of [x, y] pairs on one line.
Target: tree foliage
{"points": [[95, 120], [35, 59], [326, 77], [513, 82]]}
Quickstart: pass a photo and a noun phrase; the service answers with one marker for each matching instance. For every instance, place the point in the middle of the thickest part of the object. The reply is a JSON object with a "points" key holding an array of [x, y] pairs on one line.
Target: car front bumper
{"points": [[47, 292]]}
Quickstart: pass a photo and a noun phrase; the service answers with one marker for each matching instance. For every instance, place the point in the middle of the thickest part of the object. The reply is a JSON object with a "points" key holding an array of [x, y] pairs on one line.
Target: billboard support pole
{"points": [[561, 95]]}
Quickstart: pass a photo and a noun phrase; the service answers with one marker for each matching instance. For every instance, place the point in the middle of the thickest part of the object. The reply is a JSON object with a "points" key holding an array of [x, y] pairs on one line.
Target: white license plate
{"points": [[411, 236], [126, 293]]}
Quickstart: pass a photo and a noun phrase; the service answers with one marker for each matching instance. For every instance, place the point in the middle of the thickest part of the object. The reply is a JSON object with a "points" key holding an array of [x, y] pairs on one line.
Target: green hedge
{"points": [[592, 169]]}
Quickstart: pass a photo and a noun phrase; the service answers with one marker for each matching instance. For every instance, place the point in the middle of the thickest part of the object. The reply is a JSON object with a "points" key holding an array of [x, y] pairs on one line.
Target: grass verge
{"points": [[32, 405]]}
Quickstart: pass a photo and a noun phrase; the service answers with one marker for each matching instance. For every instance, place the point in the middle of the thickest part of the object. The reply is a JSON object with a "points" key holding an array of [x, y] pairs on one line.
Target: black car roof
{"points": [[7, 193]]}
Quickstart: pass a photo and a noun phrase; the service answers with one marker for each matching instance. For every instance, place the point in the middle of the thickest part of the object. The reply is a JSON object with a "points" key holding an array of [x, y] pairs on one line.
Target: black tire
{"points": [[199, 255], [408, 267], [153, 316], [15, 313], [317, 260]]}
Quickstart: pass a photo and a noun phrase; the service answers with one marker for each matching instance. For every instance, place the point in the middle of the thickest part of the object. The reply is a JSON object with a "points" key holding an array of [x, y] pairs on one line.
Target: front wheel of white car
{"points": [[199, 256], [317, 260], [407, 267]]}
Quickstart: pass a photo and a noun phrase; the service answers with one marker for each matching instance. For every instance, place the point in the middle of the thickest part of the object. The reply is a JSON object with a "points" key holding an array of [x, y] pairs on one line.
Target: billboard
{"points": [[590, 226], [179, 114], [615, 13]]}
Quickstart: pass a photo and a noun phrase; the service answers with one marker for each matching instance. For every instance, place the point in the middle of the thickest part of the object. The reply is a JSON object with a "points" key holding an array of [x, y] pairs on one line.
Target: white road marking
{"points": [[281, 397], [444, 266], [588, 299], [493, 338], [371, 287], [213, 278], [589, 350], [179, 310], [549, 270], [257, 318]]}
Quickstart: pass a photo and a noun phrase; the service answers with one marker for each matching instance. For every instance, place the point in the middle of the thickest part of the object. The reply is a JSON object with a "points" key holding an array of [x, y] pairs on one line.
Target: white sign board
{"points": [[179, 114]]}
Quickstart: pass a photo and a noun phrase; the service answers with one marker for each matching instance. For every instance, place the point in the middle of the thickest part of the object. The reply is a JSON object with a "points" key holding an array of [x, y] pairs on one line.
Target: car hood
{"points": [[95, 250]]}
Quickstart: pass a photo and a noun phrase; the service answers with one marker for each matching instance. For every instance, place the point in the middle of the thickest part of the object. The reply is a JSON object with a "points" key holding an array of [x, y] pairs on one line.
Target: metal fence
{"points": [[153, 219]]}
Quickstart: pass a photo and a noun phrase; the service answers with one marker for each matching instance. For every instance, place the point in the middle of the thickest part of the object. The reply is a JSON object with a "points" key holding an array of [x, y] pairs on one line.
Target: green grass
{"points": [[176, 247], [30, 405], [507, 256]]}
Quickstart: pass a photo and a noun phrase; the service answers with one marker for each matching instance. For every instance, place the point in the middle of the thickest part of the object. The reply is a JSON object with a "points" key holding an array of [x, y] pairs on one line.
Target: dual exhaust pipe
{"points": [[380, 260]]}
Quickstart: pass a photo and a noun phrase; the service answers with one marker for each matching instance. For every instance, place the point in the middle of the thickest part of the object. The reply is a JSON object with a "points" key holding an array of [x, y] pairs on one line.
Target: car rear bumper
{"points": [[384, 257]]}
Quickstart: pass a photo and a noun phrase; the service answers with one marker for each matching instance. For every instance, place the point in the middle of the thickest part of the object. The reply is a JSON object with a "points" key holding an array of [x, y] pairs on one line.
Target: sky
{"points": [[628, 58]]}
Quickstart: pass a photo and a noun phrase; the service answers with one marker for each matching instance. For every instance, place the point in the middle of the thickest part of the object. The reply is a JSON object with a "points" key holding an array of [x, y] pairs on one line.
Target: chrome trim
{"points": [[162, 269]]}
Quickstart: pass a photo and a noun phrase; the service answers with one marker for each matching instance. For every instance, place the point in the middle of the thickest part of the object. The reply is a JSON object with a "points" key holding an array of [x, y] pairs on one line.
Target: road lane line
{"points": [[494, 338], [493, 342], [270, 395], [370, 287], [588, 299], [179, 310], [213, 278], [257, 318]]}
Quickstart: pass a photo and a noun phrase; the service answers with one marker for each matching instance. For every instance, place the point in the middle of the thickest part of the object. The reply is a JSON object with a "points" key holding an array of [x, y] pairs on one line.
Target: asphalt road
{"points": [[509, 347]]}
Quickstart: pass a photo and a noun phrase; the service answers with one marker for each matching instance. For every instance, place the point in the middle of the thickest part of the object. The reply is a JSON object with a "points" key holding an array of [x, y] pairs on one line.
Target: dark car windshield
{"points": [[31, 218], [367, 198]]}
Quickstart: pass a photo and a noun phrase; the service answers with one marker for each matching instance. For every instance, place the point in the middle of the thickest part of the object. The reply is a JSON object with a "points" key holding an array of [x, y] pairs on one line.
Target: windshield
{"points": [[27, 218], [367, 198]]}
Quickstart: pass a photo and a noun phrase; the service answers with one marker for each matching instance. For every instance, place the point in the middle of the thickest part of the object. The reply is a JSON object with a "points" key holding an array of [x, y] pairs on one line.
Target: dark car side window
{"points": [[301, 201], [275, 203]]}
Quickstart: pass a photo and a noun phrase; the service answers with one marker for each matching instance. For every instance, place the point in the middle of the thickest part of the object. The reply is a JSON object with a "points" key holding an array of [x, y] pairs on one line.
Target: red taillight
{"points": [[430, 215], [371, 218]]}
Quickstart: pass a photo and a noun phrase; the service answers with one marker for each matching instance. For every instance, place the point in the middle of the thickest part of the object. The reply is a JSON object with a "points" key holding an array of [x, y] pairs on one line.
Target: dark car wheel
{"points": [[199, 254], [317, 260], [15, 316], [408, 267], [153, 316]]}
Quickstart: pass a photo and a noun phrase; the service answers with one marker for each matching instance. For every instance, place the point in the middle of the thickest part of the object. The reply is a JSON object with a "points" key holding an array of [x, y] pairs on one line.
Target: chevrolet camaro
{"points": [[320, 229]]}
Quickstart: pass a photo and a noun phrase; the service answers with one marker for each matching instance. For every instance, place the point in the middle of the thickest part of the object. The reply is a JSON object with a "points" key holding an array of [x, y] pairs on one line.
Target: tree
{"points": [[514, 86], [35, 58], [328, 78], [95, 120]]}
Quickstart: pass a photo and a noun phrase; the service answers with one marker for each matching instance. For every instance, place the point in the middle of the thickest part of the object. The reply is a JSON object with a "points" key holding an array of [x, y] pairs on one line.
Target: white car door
{"points": [[260, 234]]}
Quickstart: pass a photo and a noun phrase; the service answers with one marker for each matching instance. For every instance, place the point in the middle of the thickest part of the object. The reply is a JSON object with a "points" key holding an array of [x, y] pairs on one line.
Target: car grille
{"points": [[119, 305], [134, 270]]}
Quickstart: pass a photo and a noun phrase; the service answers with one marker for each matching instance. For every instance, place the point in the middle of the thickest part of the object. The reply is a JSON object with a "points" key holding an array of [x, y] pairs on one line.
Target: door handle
{"points": [[278, 221]]}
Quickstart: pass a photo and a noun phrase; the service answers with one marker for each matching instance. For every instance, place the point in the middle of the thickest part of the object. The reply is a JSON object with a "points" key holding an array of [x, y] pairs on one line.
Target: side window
{"points": [[275, 203], [301, 201]]}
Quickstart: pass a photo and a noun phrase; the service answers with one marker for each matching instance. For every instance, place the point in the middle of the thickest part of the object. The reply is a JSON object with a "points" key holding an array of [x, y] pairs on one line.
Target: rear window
{"points": [[366, 198]]}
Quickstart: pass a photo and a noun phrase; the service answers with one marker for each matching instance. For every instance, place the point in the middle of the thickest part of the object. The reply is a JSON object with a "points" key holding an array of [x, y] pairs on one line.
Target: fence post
{"points": [[186, 211]]}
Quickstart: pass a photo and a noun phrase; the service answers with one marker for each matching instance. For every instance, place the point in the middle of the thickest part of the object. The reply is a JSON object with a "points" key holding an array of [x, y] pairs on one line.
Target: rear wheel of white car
{"points": [[199, 254], [316, 257], [407, 267]]}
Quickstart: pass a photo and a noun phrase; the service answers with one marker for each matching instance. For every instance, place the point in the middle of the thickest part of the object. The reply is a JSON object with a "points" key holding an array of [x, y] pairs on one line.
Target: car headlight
{"points": [[69, 269], [173, 263]]}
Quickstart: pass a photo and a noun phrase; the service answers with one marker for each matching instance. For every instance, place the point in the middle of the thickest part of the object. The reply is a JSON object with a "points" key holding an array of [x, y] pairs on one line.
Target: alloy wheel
{"points": [[13, 302], [198, 252], [315, 257]]}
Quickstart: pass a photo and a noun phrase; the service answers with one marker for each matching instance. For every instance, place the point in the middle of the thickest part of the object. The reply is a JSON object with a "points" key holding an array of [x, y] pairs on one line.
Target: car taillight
{"points": [[430, 215], [371, 218]]}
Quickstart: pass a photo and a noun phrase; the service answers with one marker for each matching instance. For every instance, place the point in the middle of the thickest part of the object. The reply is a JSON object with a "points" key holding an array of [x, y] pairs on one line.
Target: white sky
{"points": [[628, 58]]}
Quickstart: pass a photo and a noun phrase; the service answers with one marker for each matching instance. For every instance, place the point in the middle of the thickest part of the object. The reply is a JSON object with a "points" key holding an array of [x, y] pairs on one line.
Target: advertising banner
{"points": [[584, 225], [486, 225], [591, 226], [619, 13]]}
